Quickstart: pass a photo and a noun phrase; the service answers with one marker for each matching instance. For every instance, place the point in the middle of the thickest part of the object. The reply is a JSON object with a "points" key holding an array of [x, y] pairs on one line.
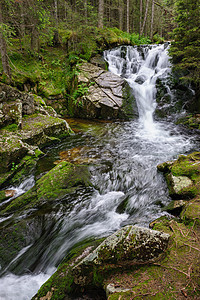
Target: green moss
{"points": [[11, 127], [3, 196], [187, 166], [11, 242], [61, 180], [62, 281], [191, 213]]}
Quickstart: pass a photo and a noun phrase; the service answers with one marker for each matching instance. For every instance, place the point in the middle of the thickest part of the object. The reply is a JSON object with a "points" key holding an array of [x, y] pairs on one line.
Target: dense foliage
{"points": [[185, 49]]}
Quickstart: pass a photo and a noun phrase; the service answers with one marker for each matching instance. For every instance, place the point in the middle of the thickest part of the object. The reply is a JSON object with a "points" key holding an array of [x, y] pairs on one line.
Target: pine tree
{"points": [[185, 49]]}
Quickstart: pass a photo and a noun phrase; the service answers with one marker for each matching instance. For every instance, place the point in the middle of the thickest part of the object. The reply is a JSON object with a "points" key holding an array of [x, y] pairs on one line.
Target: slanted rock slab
{"points": [[108, 96]]}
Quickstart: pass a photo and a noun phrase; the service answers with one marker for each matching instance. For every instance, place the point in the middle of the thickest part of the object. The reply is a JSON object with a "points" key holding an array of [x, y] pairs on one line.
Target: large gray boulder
{"points": [[129, 245], [89, 269], [107, 96]]}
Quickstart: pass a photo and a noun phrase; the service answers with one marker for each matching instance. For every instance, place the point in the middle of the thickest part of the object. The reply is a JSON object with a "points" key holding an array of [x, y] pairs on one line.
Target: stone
{"points": [[9, 93], [191, 212], [182, 176], [87, 270], [11, 112], [108, 95], [132, 244], [63, 179], [175, 207], [180, 182]]}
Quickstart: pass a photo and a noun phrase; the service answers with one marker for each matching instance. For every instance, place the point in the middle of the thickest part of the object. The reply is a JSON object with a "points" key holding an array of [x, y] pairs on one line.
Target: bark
{"points": [[127, 15], [3, 49], [85, 11], [121, 9], [101, 13], [34, 39], [152, 19], [140, 16], [145, 17]]}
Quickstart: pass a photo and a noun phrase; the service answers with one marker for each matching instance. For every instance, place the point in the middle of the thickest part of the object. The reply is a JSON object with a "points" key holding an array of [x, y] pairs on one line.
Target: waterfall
{"points": [[141, 67], [127, 188]]}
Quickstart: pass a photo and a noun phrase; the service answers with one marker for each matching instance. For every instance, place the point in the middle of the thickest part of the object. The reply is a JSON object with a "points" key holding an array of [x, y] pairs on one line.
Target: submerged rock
{"points": [[105, 95]]}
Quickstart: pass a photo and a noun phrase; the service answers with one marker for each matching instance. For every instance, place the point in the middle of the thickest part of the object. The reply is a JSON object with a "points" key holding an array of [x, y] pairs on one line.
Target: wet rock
{"points": [[107, 97], [140, 79], [63, 179], [14, 236]]}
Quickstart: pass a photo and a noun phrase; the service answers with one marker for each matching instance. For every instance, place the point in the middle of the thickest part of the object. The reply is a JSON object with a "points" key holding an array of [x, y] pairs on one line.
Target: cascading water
{"points": [[128, 188], [141, 69]]}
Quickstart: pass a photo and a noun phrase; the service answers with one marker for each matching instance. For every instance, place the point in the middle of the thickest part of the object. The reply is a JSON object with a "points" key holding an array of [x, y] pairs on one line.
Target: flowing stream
{"points": [[123, 157]]}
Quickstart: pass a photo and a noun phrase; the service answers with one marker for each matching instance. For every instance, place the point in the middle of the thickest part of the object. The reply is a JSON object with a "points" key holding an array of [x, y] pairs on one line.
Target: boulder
{"points": [[11, 110], [23, 132], [128, 246], [182, 176], [175, 207], [63, 179], [104, 95], [14, 237]]}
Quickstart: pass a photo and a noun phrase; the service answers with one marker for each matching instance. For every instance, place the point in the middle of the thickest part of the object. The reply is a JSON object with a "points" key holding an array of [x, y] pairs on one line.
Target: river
{"points": [[123, 159]]}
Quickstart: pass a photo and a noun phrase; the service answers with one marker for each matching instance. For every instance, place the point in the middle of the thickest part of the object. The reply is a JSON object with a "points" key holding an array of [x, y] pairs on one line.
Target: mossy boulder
{"points": [[175, 207], [36, 130], [128, 246], [174, 277], [17, 235], [183, 176], [63, 179], [14, 104], [191, 121], [42, 130], [191, 212]]}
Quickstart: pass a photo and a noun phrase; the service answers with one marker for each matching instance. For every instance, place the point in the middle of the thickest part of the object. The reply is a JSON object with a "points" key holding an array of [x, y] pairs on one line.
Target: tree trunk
{"points": [[34, 39], [140, 17], [145, 17], [121, 9], [100, 13], [152, 19], [127, 15], [85, 11], [3, 49]]}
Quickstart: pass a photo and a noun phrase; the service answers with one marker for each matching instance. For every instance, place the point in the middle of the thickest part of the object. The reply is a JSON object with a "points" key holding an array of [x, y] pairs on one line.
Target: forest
{"points": [[99, 149], [84, 28]]}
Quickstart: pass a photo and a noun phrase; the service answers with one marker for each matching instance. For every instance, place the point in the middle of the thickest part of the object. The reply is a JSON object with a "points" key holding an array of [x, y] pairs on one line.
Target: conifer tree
{"points": [[185, 49]]}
